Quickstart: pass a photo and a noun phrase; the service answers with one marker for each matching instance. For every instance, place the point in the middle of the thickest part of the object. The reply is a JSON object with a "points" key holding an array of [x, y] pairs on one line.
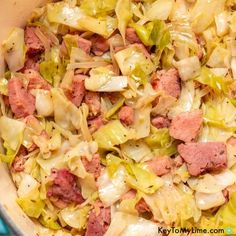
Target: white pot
{"points": [[13, 13]]}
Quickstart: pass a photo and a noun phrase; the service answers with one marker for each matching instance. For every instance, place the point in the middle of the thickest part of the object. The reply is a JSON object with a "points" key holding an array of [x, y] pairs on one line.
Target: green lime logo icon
{"points": [[228, 230]]}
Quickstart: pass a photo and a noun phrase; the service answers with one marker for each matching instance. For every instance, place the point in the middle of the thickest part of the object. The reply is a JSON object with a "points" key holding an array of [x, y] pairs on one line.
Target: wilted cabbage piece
{"points": [[153, 33], [226, 214], [114, 133], [14, 50], [11, 131]]}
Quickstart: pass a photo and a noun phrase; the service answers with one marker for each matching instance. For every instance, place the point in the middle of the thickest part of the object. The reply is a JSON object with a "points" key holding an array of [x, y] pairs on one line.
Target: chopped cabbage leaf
{"points": [[110, 189], [53, 69], [11, 131], [71, 41], [189, 100], [153, 33], [226, 214], [131, 58], [49, 220], [136, 150], [56, 160], [32, 208], [218, 83], [76, 218], [3, 86], [28, 186], [124, 15], [97, 7], [219, 58], [63, 13], [202, 14], [9, 155], [189, 68], [102, 79], [114, 108], [43, 102], [159, 10], [220, 112], [161, 142], [14, 50], [104, 27], [143, 180], [137, 176], [205, 201], [68, 116], [88, 186], [29, 197], [142, 122], [222, 25], [212, 183], [175, 207], [111, 134], [131, 225]]}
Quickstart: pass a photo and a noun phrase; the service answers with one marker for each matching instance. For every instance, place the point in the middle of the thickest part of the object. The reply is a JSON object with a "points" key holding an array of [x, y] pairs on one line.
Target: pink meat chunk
{"points": [[126, 115], [131, 36], [160, 122], [33, 43], [95, 124], [64, 189], [186, 126], [22, 103], [98, 221], [20, 159], [141, 206], [160, 165], [92, 99], [99, 45], [31, 63], [36, 81], [76, 92], [85, 45], [203, 157], [167, 81], [92, 166]]}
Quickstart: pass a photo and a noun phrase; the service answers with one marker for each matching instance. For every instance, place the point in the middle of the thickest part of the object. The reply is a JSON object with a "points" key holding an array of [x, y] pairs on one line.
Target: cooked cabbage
{"points": [[14, 50]]}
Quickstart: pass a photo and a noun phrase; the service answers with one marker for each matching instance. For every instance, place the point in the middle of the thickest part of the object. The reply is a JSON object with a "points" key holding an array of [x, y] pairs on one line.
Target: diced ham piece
{"points": [[167, 81], [20, 159], [92, 166], [22, 103], [131, 36], [33, 43], [160, 165], [126, 115], [85, 45], [36, 81], [77, 90], [31, 63], [203, 157], [186, 126], [95, 123], [64, 189], [98, 221], [160, 122], [92, 99], [141, 206], [99, 45]]}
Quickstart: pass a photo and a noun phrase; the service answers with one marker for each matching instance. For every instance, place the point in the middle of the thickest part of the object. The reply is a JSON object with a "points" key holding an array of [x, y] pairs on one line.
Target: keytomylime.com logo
{"points": [[228, 230]]}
